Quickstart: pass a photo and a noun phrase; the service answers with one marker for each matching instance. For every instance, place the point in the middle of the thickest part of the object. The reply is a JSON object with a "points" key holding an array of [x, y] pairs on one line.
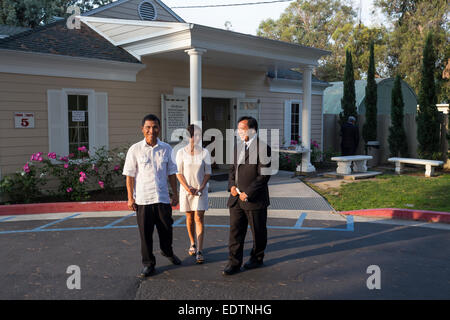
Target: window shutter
{"points": [[58, 127], [98, 111], [287, 123]]}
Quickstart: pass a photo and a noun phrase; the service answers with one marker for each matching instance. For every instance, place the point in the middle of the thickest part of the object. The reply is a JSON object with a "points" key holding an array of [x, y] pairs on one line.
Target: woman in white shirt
{"points": [[194, 171]]}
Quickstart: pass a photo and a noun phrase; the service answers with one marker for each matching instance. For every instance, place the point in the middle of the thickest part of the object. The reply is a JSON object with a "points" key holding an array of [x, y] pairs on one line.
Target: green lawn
{"points": [[392, 191]]}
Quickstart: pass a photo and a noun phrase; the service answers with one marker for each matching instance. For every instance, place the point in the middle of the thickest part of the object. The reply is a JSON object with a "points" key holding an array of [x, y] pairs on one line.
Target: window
{"points": [[77, 117], [78, 122], [295, 121], [292, 121]]}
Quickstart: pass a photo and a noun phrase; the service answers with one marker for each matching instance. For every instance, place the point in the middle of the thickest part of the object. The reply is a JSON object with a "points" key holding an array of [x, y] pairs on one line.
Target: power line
{"points": [[231, 4]]}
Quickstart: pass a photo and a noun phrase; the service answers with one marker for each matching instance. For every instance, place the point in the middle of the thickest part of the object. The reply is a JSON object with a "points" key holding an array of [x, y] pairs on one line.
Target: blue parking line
{"points": [[178, 223], [119, 220], [7, 218], [300, 220], [350, 223], [55, 222]]}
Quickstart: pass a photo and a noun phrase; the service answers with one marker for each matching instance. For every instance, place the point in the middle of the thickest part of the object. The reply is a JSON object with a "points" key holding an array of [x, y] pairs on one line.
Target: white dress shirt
{"points": [[150, 166]]}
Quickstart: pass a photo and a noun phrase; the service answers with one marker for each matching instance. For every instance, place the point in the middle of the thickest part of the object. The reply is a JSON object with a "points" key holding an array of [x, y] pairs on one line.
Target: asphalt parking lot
{"points": [[306, 258]]}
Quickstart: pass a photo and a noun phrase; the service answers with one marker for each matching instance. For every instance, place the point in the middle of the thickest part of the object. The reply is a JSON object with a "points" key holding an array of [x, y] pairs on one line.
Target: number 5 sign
{"points": [[23, 120]]}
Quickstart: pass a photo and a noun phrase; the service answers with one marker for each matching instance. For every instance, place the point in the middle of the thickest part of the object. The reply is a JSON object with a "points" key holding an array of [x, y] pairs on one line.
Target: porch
{"points": [[200, 46]]}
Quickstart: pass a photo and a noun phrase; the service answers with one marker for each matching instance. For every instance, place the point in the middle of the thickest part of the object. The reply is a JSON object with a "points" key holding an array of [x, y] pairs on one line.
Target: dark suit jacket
{"points": [[350, 136], [250, 181]]}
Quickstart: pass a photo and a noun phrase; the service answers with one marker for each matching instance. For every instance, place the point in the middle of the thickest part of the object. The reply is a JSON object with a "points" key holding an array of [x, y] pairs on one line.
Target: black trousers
{"points": [[348, 151], [239, 221], [159, 214]]}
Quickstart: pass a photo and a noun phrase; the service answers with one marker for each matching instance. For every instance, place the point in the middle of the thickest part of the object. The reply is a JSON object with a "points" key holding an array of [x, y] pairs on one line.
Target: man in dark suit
{"points": [[249, 197], [350, 137]]}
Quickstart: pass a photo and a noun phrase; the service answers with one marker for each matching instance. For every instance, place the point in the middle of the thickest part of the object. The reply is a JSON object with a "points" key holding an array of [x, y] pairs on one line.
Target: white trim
{"points": [[210, 93], [288, 117], [44, 64], [92, 116], [143, 23], [287, 123], [61, 124], [321, 130], [91, 110], [273, 52], [143, 37]]}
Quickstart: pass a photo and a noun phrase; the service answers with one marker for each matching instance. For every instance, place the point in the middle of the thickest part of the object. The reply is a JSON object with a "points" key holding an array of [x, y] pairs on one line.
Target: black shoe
{"points": [[174, 259], [253, 264], [229, 270], [147, 271]]}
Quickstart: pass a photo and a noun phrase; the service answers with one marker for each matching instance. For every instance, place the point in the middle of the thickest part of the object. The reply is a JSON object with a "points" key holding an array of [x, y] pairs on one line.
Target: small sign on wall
{"points": [[24, 120], [78, 116]]}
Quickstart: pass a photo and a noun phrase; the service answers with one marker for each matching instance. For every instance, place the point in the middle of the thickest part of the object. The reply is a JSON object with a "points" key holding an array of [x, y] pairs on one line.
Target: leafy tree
{"points": [[428, 126], [329, 25], [32, 13], [348, 101], [397, 135], [411, 21], [369, 131], [357, 38]]}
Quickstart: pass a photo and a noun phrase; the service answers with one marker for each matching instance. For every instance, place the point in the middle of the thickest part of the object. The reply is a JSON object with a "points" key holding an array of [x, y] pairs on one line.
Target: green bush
{"points": [[24, 186], [76, 175]]}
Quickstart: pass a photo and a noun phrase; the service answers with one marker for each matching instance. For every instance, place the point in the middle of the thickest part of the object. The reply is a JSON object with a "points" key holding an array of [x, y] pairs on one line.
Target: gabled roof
{"points": [[119, 2], [56, 38]]}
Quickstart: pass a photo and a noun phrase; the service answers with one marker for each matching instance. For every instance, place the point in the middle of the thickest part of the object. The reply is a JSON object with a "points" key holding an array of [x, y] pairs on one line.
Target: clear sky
{"points": [[244, 19]]}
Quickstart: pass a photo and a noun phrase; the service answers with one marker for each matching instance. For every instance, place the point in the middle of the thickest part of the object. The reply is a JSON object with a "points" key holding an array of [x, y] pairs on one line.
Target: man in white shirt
{"points": [[148, 166]]}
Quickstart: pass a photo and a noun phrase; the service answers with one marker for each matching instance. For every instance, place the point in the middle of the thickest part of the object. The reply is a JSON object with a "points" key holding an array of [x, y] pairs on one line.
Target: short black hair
{"points": [[252, 123], [151, 117]]}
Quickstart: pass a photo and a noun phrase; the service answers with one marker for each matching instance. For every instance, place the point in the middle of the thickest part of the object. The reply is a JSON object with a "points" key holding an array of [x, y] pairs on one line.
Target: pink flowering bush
{"points": [[76, 175], [107, 167], [316, 154]]}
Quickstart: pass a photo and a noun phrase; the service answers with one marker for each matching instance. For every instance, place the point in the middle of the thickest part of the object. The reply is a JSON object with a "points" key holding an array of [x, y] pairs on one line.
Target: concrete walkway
{"points": [[287, 193]]}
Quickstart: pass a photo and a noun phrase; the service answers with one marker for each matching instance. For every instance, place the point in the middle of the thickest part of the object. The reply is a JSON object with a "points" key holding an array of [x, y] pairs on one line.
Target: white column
{"points": [[195, 57], [306, 119]]}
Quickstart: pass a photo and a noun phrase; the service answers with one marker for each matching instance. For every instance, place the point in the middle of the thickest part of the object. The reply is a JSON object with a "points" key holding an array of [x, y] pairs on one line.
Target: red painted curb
{"points": [[408, 214], [56, 207]]}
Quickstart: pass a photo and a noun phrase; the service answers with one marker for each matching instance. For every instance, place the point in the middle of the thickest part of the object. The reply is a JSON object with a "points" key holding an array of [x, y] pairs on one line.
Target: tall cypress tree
{"points": [[369, 131], [428, 126], [348, 101], [397, 136]]}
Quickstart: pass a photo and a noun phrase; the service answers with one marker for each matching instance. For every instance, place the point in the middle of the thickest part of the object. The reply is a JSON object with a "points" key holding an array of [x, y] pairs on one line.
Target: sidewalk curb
{"points": [[407, 214], [57, 207]]}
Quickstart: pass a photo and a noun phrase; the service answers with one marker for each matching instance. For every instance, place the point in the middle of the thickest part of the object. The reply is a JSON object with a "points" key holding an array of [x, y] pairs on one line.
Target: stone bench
{"points": [[429, 164], [344, 163]]}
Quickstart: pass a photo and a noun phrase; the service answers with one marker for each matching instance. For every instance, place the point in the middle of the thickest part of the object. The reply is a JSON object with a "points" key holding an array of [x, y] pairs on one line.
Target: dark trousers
{"points": [[159, 214], [348, 151], [239, 221]]}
